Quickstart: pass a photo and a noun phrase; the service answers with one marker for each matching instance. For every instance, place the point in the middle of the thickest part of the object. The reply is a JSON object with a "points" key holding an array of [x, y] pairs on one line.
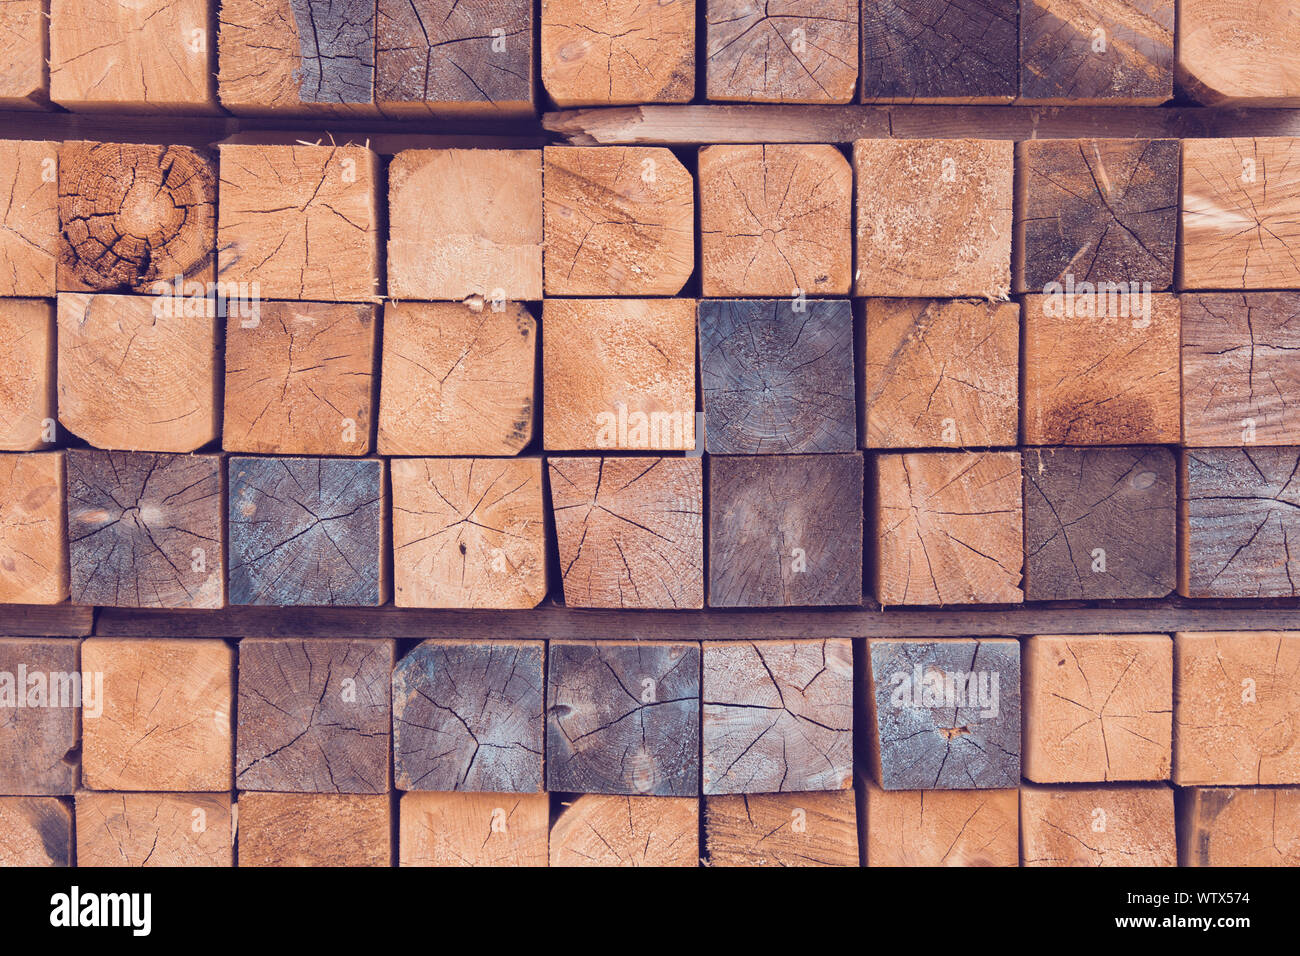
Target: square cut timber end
{"points": [[938, 827], [315, 829], [154, 829], [33, 528], [600, 830], [1238, 53], [29, 212], [28, 350], [1239, 826], [447, 829], [1115, 825], [40, 726], [24, 45], [781, 829], [35, 831]]}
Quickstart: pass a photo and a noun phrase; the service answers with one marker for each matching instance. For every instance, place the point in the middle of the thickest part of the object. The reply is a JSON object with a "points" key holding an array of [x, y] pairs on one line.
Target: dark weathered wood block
{"points": [[145, 530], [785, 530], [1237, 508], [943, 714], [315, 829], [777, 376], [468, 716], [35, 831], [1121, 825], [916, 51], [938, 827], [623, 718], [308, 531], [778, 716], [1100, 523], [154, 829], [1238, 826], [40, 710], [781, 829], [314, 716], [1100, 210]]}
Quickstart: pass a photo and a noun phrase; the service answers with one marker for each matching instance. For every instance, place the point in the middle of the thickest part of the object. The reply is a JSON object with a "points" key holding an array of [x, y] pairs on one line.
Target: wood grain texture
{"points": [[1096, 51], [466, 540], [465, 222], [1130, 825], [624, 51], [56, 620], [778, 716], [1238, 371], [949, 528], [1100, 523], [940, 372], [40, 710], [1106, 375], [145, 530], [617, 221], [782, 51], [781, 829], [468, 716], [154, 829], [938, 827], [630, 531], [598, 830], [24, 48], [300, 222], [933, 217], [308, 531], [33, 529], [166, 720], [785, 530], [35, 831], [315, 829], [777, 377], [623, 718], [28, 350], [1098, 708], [1239, 826], [1234, 52], [1235, 696], [618, 374], [1100, 210], [447, 829], [1241, 206], [942, 714], [449, 58], [455, 381], [916, 51], [1236, 512], [314, 716], [29, 210]]}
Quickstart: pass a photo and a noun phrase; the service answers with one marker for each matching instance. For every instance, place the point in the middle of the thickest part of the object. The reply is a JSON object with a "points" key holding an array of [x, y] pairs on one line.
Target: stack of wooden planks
{"points": [[687, 373]]}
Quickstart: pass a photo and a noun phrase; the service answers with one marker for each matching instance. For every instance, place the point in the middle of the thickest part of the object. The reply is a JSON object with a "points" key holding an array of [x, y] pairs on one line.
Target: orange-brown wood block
{"points": [[33, 529], [1118, 825], [154, 829], [937, 827], [474, 829], [29, 212], [315, 829]]}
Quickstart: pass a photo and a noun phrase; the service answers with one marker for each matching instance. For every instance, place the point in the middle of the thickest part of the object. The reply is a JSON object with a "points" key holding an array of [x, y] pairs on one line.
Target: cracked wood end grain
{"points": [[154, 829], [618, 220], [1222, 826], [1100, 210], [623, 718], [300, 222], [1097, 52], [938, 827], [630, 531], [621, 51], [943, 714], [24, 79], [1098, 708], [960, 51], [134, 215], [1100, 523], [314, 716], [782, 51], [1236, 511], [1238, 53], [145, 530], [465, 222], [474, 829], [455, 58], [39, 745], [781, 829], [27, 373], [1115, 825], [940, 372], [1241, 214], [166, 715], [308, 531], [33, 529], [598, 830], [949, 528], [315, 829], [468, 716], [933, 217], [1108, 379], [777, 716], [29, 215], [35, 831], [455, 381], [785, 530], [1235, 697], [468, 533], [618, 374]]}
